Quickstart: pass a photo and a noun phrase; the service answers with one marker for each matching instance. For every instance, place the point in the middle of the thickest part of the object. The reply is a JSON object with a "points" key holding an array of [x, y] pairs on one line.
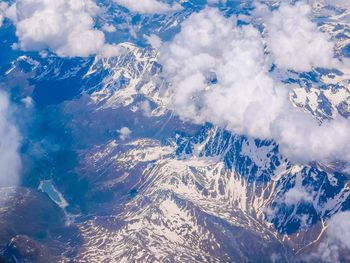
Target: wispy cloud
{"points": [[336, 239], [10, 161]]}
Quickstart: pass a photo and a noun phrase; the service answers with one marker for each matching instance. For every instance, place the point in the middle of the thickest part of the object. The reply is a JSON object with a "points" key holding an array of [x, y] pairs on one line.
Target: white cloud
{"points": [[154, 41], [220, 73], [339, 229], [296, 195], [28, 102], [146, 108], [109, 28], [295, 41], [148, 6], [216, 1], [10, 162], [337, 238], [124, 133], [3, 8], [66, 27]]}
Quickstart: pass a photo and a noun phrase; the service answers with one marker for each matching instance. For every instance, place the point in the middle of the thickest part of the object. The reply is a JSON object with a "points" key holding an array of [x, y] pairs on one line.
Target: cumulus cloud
{"points": [[295, 41], [148, 6], [219, 72], [28, 102], [10, 162], [154, 41], [124, 133], [65, 27], [109, 28], [146, 108]]}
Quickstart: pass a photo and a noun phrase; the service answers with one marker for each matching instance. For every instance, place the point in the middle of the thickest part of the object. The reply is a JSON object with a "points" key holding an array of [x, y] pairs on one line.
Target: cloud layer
{"points": [[219, 72], [10, 162], [65, 27], [148, 6]]}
